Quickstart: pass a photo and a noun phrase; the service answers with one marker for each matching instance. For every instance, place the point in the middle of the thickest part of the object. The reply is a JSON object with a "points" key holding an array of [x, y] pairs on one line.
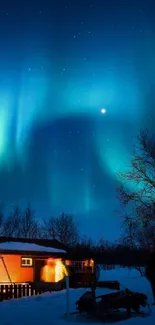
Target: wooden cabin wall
{"points": [[16, 272]]}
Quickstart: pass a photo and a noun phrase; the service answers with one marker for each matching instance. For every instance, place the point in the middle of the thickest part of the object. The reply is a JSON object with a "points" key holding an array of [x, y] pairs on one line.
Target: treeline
{"points": [[64, 228], [114, 254], [24, 224]]}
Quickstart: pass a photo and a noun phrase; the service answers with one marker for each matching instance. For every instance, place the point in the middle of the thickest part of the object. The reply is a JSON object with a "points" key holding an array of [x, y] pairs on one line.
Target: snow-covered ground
{"points": [[49, 309]]}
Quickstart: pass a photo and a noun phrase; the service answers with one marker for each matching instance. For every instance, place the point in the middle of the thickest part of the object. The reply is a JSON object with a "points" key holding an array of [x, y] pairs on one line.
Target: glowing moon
{"points": [[103, 111]]}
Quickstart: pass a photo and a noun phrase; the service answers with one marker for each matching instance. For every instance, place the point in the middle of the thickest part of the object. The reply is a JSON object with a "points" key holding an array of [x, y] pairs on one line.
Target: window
{"points": [[26, 261], [83, 266], [78, 265]]}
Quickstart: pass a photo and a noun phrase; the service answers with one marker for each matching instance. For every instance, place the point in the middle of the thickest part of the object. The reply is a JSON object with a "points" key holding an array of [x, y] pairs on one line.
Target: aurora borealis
{"points": [[61, 62]]}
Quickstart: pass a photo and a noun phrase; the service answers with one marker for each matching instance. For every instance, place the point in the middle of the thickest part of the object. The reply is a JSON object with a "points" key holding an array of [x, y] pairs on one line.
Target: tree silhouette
{"points": [[63, 228], [139, 223], [20, 224]]}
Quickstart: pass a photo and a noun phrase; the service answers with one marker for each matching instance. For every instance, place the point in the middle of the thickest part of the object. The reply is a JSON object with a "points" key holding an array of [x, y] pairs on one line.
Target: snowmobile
{"points": [[110, 305]]}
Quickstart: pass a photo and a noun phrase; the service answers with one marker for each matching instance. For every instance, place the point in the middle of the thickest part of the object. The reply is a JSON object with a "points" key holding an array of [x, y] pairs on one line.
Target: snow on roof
{"points": [[28, 247]]}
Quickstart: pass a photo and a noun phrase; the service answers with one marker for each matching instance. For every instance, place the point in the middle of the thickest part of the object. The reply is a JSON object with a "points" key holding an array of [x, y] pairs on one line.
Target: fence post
{"points": [[67, 295]]}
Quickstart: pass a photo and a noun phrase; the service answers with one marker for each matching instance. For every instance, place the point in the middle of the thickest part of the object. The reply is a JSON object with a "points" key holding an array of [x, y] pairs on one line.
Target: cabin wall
{"points": [[17, 272]]}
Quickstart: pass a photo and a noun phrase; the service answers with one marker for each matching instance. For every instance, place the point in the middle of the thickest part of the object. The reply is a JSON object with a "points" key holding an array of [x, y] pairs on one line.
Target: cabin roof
{"points": [[41, 242], [28, 247], [31, 246], [44, 247]]}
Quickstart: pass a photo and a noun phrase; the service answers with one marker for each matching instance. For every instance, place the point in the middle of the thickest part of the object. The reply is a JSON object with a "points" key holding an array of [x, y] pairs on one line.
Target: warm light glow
{"points": [[51, 260], [60, 271], [68, 262], [91, 263], [86, 263], [53, 271]]}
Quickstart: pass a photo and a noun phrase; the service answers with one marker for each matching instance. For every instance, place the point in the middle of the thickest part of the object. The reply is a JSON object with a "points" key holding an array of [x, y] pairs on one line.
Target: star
{"points": [[103, 111]]}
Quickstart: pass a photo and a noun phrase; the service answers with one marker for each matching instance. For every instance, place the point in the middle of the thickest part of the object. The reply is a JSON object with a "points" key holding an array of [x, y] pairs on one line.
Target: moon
{"points": [[103, 110]]}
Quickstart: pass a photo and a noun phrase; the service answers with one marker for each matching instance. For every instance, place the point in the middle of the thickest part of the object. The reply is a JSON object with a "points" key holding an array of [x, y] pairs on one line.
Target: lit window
{"points": [[26, 261]]}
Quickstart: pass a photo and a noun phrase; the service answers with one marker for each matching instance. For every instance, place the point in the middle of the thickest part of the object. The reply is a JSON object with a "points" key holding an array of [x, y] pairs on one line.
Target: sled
{"points": [[115, 285], [109, 305]]}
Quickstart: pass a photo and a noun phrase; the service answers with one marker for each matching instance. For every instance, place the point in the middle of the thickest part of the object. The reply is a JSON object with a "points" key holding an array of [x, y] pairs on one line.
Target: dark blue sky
{"points": [[61, 62]]}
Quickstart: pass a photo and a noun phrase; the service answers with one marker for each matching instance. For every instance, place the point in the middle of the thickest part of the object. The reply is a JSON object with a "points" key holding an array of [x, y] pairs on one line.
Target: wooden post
{"points": [[67, 295], [6, 269]]}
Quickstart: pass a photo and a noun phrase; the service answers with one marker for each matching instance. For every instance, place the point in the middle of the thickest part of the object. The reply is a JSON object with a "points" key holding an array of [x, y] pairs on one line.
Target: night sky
{"points": [[61, 62]]}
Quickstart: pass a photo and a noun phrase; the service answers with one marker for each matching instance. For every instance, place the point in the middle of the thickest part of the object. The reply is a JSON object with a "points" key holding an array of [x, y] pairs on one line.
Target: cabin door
{"points": [[39, 264]]}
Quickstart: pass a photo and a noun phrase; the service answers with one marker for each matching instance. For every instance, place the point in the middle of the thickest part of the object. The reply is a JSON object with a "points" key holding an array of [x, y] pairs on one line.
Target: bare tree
{"points": [[20, 224], [138, 192], [11, 225], [63, 228], [129, 230], [86, 242], [30, 227], [103, 245]]}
